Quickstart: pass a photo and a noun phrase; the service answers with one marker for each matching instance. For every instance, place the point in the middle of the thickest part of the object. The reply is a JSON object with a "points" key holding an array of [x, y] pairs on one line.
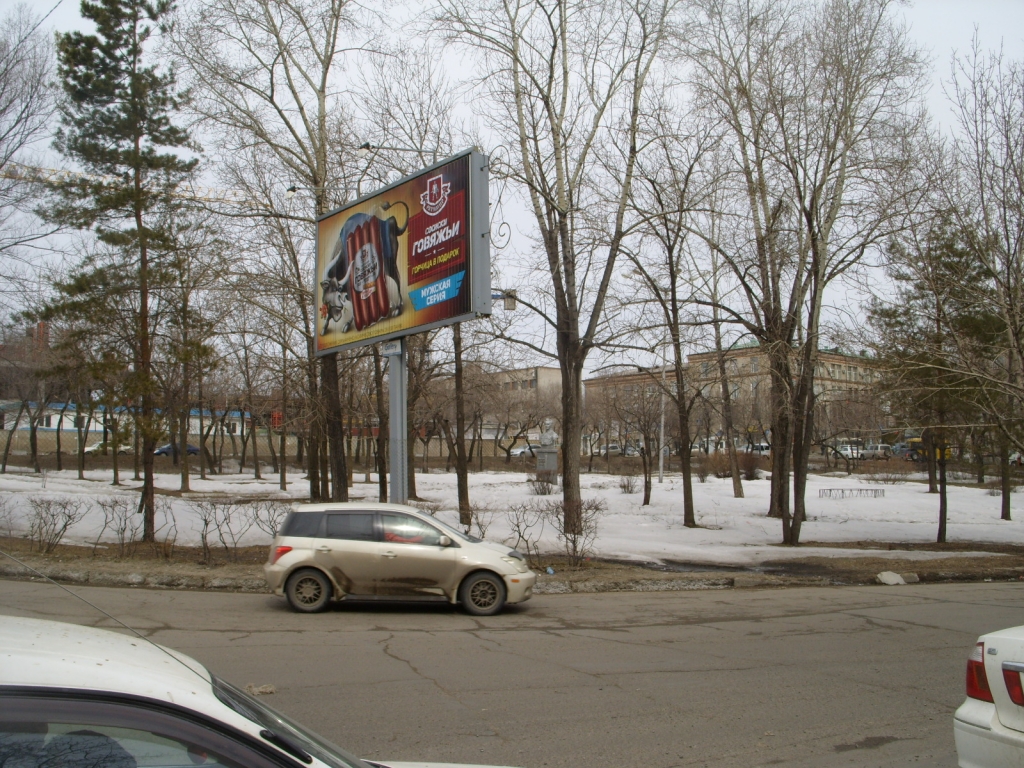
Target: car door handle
{"points": [[390, 554], [323, 549]]}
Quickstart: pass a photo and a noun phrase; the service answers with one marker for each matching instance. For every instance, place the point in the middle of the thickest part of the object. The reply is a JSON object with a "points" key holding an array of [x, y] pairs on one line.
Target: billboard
{"points": [[411, 257]]}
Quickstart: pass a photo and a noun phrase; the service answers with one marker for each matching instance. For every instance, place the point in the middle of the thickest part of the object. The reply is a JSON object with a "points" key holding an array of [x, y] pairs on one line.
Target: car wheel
{"points": [[482, 594], [308, 591]]}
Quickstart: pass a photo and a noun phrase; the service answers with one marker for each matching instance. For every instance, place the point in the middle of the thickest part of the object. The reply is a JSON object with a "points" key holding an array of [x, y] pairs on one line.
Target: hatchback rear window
{"points": [[302, 524]]}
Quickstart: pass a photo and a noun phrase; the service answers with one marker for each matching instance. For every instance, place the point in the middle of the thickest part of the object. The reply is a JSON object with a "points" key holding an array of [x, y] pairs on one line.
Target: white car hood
{"points": [[503, 549]]}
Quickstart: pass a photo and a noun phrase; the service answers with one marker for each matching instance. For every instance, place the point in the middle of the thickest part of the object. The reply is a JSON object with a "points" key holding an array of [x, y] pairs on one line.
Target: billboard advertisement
{"points": [[411, 257]]}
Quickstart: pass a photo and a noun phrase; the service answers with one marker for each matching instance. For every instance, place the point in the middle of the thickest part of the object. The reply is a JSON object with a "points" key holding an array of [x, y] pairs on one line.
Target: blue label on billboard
{"points": [[443, 290]]}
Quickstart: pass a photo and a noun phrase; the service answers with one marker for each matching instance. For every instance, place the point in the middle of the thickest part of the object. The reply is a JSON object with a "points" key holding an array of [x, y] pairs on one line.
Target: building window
{"points": [[755, 365], [47, 421]]}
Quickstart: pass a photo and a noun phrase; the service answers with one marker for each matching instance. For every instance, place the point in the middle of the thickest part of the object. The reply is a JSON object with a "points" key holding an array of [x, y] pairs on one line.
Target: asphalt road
{"points": [[846, 676]]}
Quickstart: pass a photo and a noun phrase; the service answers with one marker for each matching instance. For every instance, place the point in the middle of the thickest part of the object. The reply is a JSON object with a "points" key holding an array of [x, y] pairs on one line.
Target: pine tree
{"points": [[117, 125]]}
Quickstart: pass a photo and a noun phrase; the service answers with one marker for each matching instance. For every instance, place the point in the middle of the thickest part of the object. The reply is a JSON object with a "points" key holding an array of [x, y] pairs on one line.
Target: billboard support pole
{"points": [[398, 423]]}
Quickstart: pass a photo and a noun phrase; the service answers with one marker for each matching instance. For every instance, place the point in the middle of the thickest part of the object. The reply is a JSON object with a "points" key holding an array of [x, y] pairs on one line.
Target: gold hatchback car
{"points": [[327, 552]]}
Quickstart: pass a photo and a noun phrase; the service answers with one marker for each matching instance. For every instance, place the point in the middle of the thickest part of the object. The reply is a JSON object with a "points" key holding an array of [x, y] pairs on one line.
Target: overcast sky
{"points": [[941, 26]]}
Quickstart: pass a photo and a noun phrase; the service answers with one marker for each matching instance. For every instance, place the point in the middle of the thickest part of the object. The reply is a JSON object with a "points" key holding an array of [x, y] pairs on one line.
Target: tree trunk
{"points": [[779, 362], [382, 428], [10, 437], [183, 442], [941, 461], [335, 426], [734, 462], [928, 444], [60, 429], [1004, 479], [977, 450], [572, 430], [254, 438]]}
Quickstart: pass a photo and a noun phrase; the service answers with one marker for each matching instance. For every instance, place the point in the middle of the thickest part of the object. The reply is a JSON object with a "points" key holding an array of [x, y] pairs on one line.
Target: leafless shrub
{"points": [[577, 540], [430, 507], [702, 467], [229, 521], [51, 518], [165, 532], [7, 516], [482, 519], [206, 513], [628, 483], [718, 464], [232, 525], [541, 487], [995, 488], [120, 517], [891, 472], [526, 521], [266, 514], [750, 466]]}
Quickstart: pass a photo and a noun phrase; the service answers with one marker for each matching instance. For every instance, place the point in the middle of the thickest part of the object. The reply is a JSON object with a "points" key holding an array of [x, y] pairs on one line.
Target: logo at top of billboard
{"points": [[437, 234]]}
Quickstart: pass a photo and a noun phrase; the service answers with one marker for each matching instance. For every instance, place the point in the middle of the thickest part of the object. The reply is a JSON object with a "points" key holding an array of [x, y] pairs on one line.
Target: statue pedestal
{"points": [[547, 464]]}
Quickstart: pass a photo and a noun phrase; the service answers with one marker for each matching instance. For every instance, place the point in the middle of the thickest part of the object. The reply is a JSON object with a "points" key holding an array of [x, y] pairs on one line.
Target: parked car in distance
{"points": [[74, 696], [97, 449], [762, 449], [168, 450], [850, 451], [988, 728], [522, 450], [877, 451], [352, 550], [612, 449]]}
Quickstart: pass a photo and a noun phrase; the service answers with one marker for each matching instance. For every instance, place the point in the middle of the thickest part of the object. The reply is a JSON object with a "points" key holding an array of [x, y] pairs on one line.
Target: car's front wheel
{"points": [[308, 591], [482, 594]]}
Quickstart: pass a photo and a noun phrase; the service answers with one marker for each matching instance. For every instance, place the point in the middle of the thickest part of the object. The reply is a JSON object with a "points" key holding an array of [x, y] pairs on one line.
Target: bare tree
{"points": [[566, 82], [26, 109], [265, 74], [985, 195], [817, 108]]}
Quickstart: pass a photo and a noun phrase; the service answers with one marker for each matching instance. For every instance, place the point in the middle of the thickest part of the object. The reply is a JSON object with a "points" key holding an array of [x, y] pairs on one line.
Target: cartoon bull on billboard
{"points": [[360, 283]]}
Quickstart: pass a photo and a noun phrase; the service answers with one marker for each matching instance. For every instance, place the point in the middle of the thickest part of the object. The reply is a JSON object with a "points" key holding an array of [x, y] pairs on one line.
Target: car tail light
{"points": [[280, 552], [977, 680], [1013, 686]]}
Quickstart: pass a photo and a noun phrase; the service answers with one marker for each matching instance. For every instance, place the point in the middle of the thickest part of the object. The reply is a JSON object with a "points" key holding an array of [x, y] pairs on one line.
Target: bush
{"points": [[577, 540], [750, 466], [702, 467], [541, 487], [628, 483], [120, 516], [718, 463], [51, 518], [526, 521], [892, 472]]}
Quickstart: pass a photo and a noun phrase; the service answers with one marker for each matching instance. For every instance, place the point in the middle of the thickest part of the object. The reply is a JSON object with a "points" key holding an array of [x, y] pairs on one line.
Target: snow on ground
{"points": [[732, 531]]}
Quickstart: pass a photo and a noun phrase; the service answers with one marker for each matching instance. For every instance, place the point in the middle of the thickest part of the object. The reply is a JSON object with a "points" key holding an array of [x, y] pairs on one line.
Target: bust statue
{"points": [[548, 437]]}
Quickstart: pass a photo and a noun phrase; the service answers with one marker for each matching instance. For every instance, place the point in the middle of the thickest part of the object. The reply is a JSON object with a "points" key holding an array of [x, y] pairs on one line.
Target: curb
{"points": [[156, 581]]}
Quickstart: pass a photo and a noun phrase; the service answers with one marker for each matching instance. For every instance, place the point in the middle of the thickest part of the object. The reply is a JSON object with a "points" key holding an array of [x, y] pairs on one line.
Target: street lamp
{"points": [[367, 149]]}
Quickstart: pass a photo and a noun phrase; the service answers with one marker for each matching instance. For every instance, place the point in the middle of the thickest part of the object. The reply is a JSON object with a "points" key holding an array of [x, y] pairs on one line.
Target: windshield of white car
{"points": [[251, 709]]}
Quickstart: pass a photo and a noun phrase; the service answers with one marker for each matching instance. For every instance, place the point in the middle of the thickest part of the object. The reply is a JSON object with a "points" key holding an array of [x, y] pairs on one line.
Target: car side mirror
{"points": [[444, 541]]}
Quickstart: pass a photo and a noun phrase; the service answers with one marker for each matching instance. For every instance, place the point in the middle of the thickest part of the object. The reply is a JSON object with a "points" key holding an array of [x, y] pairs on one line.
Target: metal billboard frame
{"points": [[478, 264]]}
